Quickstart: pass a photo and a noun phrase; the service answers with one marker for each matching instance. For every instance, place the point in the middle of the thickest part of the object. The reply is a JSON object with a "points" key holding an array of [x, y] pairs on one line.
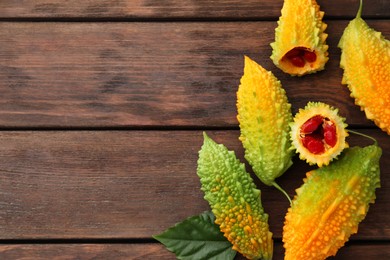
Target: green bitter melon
{"points": [[234, 200]]}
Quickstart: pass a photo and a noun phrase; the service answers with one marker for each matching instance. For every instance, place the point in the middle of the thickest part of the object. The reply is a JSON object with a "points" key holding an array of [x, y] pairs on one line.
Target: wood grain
{"points": [[156, 251], [148, 74], [131, 184], [135, 66], [251, 9], [84, 251]]}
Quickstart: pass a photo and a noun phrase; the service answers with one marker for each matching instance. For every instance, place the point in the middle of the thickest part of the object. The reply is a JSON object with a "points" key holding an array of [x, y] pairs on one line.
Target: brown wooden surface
{"points": [[120, 184], [102, 109], [125, 251], [147, 74], [186, 9]]}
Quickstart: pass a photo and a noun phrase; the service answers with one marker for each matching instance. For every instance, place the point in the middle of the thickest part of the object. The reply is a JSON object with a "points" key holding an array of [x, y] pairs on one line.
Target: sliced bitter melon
{"points": [[365, 58], [300, 41], [234, 200], [318, 133], [330, 204]]}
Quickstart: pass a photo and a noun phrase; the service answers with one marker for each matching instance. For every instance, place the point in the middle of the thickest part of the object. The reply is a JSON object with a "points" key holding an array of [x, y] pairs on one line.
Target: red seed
{"points": [[312, 124], [298, 61], [294, 53], [313, 144], [310, 56], [330, 135]]}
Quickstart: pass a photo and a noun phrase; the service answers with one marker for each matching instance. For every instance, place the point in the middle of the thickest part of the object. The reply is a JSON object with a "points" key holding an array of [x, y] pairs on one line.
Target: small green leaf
{"points": [[197, 237]]}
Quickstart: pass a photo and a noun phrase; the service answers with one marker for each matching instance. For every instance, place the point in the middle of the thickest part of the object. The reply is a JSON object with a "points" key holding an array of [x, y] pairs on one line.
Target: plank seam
{"points": [[147, 128], [165, 19], [146, 241], [79, 241]]}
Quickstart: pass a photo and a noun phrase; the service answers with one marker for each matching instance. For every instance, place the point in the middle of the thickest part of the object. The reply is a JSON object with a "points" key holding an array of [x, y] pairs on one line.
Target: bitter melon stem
{"points": [[364, 135], [359, 13], [283, 191]]}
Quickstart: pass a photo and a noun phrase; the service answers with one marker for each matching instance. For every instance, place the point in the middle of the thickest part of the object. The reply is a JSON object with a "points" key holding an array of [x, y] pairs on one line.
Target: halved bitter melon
{"points": [[300, 41], [365, 58], [331, 203], [234, 200], [318, 133]]}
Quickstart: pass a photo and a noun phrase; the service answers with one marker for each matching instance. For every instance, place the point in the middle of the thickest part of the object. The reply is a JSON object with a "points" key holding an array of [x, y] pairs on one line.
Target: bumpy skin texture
{"points": [[365, 58], [330, 204], [324, 110], [234, 200], [300, 25], [264, 115]]}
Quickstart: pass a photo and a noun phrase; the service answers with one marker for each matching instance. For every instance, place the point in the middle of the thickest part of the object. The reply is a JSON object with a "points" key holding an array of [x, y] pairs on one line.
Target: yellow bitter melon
{"points": [[234, 200], [331, 203], [318, 133], [264, 115], [300, 41], [365, 58]]}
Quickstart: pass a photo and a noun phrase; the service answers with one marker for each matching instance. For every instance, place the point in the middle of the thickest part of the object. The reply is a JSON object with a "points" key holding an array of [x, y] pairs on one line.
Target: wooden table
{"points": [[102, 109]]}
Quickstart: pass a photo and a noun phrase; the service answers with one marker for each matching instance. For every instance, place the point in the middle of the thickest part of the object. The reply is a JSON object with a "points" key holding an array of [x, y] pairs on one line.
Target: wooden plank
{"points": [[147, 74], [131, 184], [84, 251], [156, 251], [265, 9]]}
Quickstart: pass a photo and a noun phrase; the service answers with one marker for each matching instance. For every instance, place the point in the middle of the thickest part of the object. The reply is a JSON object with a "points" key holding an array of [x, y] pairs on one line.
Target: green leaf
{"points": [[197, 237]]}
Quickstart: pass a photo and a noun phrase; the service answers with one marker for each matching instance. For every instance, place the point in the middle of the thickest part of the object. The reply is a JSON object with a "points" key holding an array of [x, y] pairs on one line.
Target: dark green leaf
{"points": [[197, 237]]}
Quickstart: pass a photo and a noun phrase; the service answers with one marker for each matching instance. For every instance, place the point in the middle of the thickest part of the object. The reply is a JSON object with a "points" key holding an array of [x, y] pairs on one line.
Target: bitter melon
{"points": [[264, 115], [300, 40], [365, 58], [318, 133], [234, 200], [330, 204]]}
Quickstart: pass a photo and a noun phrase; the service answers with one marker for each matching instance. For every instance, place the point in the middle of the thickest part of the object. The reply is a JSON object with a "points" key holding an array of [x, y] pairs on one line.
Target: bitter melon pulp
{"points": [[264, 115], [365, 58], [234, 200], [300, 40], [330, 204]]}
